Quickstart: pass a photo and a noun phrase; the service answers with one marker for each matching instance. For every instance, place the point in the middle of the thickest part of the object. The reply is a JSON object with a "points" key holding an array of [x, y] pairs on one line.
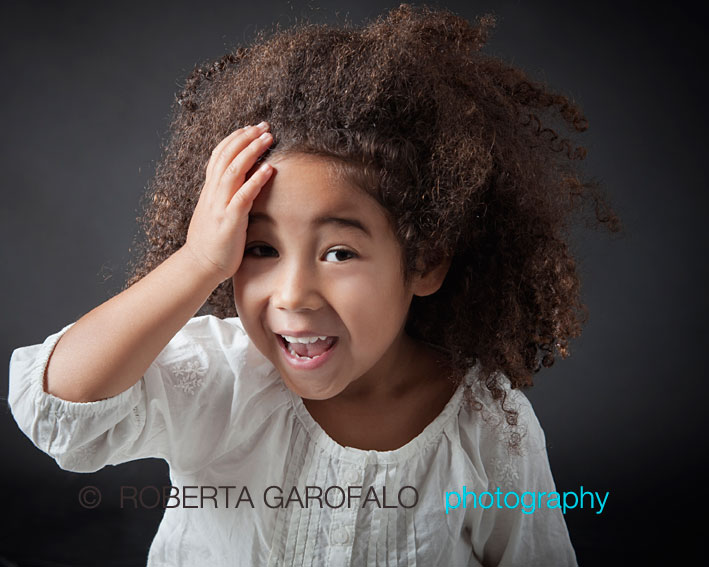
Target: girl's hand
{"points": [[217, 233]]}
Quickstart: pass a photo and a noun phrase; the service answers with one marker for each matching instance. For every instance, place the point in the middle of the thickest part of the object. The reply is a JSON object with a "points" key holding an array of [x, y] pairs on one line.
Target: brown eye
{"points": [[339, 255], [261, 251]]}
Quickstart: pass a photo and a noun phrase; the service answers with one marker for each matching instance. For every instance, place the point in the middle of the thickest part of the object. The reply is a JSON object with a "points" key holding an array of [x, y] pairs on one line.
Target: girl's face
{"points": [[321, 260]]}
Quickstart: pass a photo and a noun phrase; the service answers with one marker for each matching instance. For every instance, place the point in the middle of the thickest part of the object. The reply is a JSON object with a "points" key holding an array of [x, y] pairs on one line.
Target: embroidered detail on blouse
{"points": [[505, 473], [188, 375], [507, 435]]}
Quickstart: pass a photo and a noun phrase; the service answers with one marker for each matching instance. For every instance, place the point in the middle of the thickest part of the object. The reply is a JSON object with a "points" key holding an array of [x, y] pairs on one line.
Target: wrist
{"points": [[202, 270]]}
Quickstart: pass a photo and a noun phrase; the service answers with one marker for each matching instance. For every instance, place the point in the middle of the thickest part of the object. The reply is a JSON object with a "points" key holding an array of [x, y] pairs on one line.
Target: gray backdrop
{"points": [[86, 90]]}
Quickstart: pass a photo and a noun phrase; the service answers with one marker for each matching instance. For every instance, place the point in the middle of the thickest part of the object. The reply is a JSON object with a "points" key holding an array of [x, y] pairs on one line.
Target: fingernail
{"points": [[262, 125]]}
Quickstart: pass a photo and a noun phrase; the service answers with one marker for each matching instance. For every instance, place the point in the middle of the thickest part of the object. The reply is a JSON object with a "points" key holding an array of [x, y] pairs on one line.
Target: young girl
{"points": [[391, 235]]}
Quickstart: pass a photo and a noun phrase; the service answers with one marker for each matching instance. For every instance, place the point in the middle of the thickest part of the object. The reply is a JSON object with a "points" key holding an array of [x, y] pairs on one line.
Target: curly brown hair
{"points": [[456, 145]]}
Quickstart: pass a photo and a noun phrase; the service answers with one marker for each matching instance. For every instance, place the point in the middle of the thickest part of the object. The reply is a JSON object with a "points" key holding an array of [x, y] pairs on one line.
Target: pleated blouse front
{"points": [[256, 480]]}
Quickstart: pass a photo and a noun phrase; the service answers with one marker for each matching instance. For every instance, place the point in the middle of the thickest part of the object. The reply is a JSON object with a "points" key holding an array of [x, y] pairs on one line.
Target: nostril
{"points": [[297, 296]]}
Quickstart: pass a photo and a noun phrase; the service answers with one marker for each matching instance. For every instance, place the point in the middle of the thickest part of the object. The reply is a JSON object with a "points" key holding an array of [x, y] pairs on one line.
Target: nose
{"points": [[297, 287]]}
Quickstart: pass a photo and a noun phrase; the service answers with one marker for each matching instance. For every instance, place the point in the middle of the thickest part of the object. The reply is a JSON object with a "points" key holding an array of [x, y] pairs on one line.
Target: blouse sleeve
{"points": [[183, 409], [524, 528]]}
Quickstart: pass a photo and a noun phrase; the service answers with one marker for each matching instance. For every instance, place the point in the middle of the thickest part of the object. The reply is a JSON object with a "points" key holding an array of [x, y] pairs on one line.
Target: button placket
{"points": [[344, 518], [352, 476], [340, 534]]}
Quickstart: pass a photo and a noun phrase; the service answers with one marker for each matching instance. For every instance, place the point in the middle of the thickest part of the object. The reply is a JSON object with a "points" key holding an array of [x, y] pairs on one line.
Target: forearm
{"points": [[109, 349]]}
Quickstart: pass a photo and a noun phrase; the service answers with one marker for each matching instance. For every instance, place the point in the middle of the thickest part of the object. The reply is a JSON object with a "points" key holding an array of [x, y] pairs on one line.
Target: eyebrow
{"points": [[339, 221]]}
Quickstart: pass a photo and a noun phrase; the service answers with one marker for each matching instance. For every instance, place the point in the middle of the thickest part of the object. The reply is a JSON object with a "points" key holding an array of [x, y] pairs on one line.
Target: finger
{"points": [[220, 147], [246, 194], [233, 147], [234, 175]]}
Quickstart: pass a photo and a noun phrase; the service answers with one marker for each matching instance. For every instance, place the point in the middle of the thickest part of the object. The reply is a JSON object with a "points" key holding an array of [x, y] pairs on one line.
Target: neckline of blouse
{"points": [[370, 456]]}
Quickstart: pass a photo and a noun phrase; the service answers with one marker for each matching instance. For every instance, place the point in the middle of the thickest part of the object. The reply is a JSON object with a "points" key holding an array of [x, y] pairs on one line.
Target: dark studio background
{"points": [[86, 90]]}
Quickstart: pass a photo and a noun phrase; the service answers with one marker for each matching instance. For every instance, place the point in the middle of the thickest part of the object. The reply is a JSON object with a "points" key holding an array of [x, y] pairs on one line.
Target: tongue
{"points": [[312, 349]]}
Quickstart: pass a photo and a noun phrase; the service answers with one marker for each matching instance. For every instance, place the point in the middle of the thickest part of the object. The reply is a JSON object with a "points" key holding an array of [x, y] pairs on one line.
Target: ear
{"points": [[430, 282]]}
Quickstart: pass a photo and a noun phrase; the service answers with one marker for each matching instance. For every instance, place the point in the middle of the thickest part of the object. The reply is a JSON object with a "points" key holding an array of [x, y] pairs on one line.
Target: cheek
{"points": [[249, 308], [372, 304], [238, 294], [247, 293]]}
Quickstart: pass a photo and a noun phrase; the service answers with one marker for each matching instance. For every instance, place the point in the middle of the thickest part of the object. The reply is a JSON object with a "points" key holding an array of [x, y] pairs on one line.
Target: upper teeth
{"points": [[305, 340]]}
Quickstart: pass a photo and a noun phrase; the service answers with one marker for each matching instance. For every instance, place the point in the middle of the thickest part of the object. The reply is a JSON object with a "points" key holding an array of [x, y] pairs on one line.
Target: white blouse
{"points": [[258, 482]]}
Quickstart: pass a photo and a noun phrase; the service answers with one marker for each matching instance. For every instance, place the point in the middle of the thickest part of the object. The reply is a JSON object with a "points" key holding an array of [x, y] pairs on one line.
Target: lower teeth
{"points": [[290, 350]]}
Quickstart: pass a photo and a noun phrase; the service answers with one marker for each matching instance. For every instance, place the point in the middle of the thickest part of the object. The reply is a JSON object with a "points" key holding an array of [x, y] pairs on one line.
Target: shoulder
{"points": [[212, 335], [208, 348], [510, 416], [504, 438], [504, 456], [211, 332], [210, 382]]}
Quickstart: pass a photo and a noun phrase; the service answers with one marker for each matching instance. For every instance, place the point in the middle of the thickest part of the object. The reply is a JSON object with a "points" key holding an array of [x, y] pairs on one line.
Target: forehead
{"points": [[304, 187]]}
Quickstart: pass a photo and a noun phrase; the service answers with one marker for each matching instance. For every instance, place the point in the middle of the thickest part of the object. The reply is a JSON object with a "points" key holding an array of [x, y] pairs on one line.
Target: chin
{"points": [[310, 393]]}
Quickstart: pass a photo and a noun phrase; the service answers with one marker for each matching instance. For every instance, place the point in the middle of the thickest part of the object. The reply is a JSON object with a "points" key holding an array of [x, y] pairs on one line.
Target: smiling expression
{"points": [[321, 260]]}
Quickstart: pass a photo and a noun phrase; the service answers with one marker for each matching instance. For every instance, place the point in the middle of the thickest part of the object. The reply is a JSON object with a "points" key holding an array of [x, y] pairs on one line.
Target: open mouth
{"points": [[307, 348]]}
